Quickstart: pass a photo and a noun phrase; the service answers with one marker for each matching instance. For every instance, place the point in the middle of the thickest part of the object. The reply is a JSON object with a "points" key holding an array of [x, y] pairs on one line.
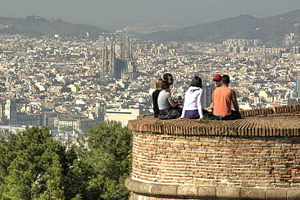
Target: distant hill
{"points": [[37, 26], [269, 29]]}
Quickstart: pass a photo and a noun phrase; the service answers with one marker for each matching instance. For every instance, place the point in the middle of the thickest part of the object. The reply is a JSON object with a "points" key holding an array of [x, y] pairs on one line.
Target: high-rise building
{"points": [[298, 86], [2, 109], [11, 111], [291, 39], [100, 111], [207, 94]]}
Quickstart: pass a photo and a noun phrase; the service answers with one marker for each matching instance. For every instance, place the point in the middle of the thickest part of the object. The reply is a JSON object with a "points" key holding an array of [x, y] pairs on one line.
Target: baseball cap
{"points": [[217, 77]]}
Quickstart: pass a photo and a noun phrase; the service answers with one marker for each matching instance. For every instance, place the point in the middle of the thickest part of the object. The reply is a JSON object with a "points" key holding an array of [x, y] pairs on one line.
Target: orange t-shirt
{"points": [[222, 101]]}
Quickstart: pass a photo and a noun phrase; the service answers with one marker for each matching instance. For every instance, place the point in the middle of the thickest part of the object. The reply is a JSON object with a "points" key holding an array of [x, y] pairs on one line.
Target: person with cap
{"points": [[223, 99], [217, 79]]}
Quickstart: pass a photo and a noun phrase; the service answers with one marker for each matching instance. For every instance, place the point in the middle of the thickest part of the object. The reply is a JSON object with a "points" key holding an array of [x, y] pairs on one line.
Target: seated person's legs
{"points": [[235, 115], [192, 114], [170, 113]]}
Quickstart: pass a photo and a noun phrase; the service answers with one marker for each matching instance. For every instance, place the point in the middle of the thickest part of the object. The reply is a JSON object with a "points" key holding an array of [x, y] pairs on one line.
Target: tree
{"points": [[36, 167], [31, 166], [105, 165]]}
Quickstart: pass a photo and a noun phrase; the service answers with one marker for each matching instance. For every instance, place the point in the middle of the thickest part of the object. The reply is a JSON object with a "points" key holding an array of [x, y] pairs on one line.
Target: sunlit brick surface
{"points": [[250, 162], [261, 152]]}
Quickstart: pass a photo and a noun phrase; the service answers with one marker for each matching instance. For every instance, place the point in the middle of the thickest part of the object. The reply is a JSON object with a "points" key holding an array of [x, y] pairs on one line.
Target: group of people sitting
{"points": [[223, 99]]}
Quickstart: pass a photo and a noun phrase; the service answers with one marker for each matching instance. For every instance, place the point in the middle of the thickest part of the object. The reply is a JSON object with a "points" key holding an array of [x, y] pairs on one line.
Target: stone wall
{"points": [[222, 161], [252, 158]]}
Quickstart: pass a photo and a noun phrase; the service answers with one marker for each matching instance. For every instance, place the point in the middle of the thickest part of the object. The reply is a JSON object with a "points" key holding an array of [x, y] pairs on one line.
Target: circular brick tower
{"points": [[253, 158]]}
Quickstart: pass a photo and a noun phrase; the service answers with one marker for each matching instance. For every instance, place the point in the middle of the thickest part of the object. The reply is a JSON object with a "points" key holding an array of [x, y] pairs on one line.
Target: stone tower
{"points": [[253, 158]]}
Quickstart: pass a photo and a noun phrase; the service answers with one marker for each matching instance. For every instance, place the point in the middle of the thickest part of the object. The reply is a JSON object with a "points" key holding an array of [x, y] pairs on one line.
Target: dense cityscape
{"points": [[149, 100], [72, 83]]}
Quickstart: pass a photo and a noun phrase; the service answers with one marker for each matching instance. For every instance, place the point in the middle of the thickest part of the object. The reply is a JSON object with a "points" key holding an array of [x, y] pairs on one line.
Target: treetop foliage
{"points": [[34, 166]]}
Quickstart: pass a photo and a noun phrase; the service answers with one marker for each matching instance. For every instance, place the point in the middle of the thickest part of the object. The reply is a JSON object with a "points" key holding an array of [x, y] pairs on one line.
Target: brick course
{"points": [[253, 158], [230, 161]]}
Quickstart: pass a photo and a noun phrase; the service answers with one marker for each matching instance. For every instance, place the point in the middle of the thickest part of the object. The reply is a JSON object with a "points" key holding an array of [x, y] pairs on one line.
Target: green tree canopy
{"points": [[35, 166], [107, 162]]}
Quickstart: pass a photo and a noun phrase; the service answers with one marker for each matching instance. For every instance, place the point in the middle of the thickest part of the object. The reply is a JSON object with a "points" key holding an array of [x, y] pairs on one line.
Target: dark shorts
{"points": [[234, 115], [170, 113], [156, 113]]}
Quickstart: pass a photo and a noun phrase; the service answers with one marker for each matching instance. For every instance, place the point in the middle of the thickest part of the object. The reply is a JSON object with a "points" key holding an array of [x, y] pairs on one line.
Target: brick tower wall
{"points": [[222, 161], [253, 158]]}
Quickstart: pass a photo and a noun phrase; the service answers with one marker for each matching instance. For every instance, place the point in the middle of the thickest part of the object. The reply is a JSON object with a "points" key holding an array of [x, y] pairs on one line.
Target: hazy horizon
{"points": [[121, 13]]}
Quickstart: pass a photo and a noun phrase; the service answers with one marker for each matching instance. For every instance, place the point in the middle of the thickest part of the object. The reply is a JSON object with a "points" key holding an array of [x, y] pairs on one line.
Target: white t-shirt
{"points": [[192, 100], [163, 100]]}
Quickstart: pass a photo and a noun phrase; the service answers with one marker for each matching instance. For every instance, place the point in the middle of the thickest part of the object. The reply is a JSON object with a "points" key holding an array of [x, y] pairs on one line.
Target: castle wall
{"points": [[222, 161], [253, 158]]}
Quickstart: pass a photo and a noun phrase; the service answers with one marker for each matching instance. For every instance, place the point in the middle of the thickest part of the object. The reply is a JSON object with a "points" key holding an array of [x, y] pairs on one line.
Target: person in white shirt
{"points": [[192, 107], [168, 108]]}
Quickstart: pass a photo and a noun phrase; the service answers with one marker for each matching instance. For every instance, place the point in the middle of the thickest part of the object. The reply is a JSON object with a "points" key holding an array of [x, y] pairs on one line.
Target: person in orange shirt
{"points": [[223, 99], [217, 79]]}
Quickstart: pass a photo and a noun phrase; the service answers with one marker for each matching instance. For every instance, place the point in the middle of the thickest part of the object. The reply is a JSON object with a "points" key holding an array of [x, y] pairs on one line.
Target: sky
{"points": [[121, 13]]}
